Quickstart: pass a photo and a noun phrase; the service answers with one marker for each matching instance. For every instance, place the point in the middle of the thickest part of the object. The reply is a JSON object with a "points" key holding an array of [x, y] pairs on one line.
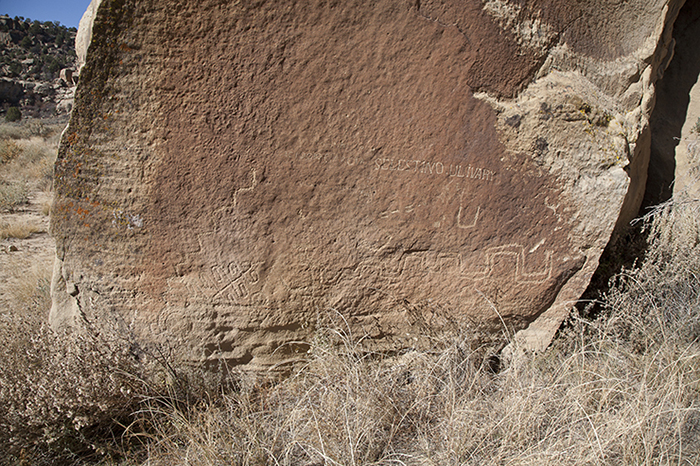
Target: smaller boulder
{"points": [[67, 76]]}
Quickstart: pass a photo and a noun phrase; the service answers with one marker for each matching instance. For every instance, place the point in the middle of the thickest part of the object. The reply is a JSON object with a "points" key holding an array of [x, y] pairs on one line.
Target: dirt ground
{"points": [[26, 263]]}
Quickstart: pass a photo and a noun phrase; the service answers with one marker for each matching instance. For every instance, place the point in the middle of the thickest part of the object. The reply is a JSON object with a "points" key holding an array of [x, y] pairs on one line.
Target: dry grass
{"points": [[29, 284], [27, 154], [623, 389], [9, 150], [29, 128], [29, 290], [14, 131], [34, 164], [600, 404], [46, 207], [18, 229]]}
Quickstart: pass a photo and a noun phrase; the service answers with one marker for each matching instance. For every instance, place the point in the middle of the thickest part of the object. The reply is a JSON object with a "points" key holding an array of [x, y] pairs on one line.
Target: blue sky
{"points": [[67, 12]]}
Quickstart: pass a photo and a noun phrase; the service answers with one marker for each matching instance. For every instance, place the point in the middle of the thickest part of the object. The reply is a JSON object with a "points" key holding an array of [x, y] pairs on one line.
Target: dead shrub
{"points": [[64, 397]]}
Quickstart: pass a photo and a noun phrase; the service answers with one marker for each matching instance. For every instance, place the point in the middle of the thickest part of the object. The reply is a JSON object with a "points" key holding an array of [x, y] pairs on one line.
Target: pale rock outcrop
{"points": [[687, 156], [84, 36], [236, 176]]}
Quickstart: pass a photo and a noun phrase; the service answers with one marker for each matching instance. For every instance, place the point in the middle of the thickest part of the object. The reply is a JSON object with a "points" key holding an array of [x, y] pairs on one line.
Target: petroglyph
{"points": [[526, 269], [394, 210], [253, 184], [526, 266], [409, 166], [467, 225], [228, 284], [553, 208], [303, 158]]}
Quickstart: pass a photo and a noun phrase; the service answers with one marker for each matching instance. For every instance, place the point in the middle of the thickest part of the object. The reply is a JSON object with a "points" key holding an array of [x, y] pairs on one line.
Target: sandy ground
{"points": [[25, 261]]}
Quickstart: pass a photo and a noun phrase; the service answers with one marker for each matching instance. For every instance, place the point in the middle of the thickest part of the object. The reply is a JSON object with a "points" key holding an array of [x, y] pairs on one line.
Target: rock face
{"points": [[675, 152], [234, 176], [84, 36]]}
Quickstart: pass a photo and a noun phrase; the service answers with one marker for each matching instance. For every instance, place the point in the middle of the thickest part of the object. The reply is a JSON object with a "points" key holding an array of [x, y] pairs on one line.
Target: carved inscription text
{"points": [[427, 167], [408, 166]]}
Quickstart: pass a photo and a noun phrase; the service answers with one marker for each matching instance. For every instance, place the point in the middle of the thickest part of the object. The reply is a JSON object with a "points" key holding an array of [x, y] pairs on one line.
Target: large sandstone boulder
{"points": [[237, 175]]}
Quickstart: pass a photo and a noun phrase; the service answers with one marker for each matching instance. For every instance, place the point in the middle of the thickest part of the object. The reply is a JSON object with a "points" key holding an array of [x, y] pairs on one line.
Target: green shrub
{"points": [[26, 42], [13, 114], [15, 68]]}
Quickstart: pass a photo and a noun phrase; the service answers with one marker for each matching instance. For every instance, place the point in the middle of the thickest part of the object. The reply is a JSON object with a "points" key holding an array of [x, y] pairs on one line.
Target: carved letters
{"points": [[426, 167], [408, 166]]}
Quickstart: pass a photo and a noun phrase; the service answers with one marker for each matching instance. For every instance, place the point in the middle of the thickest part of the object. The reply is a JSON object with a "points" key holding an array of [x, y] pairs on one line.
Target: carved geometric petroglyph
{"points": [[386, 213], [553, 208], [477, 267], [253, 184], [236, 192], [239, 278], [523, 274], [229, 284], [472, 224]]}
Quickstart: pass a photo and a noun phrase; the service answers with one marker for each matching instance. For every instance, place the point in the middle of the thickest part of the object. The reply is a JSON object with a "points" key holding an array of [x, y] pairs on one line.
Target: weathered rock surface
{"points": [[674, 163], [84, 36], [235, 175], [67, 76]]}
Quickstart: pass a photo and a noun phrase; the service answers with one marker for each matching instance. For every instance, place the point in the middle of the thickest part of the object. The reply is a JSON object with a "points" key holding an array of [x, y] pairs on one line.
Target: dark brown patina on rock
{"points": [[232, 174]]}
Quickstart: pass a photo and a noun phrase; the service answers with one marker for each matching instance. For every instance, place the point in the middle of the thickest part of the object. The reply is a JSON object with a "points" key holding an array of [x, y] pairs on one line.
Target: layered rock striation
{"points": [[235, 176]]}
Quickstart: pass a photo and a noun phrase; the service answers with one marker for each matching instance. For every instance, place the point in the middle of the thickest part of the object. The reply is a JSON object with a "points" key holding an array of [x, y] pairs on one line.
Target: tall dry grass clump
{"points": [[19, 229]]}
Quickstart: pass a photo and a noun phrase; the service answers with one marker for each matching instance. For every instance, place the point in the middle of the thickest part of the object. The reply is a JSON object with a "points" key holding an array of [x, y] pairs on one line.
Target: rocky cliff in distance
{"points": [[235, 176], [32, 56]]}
